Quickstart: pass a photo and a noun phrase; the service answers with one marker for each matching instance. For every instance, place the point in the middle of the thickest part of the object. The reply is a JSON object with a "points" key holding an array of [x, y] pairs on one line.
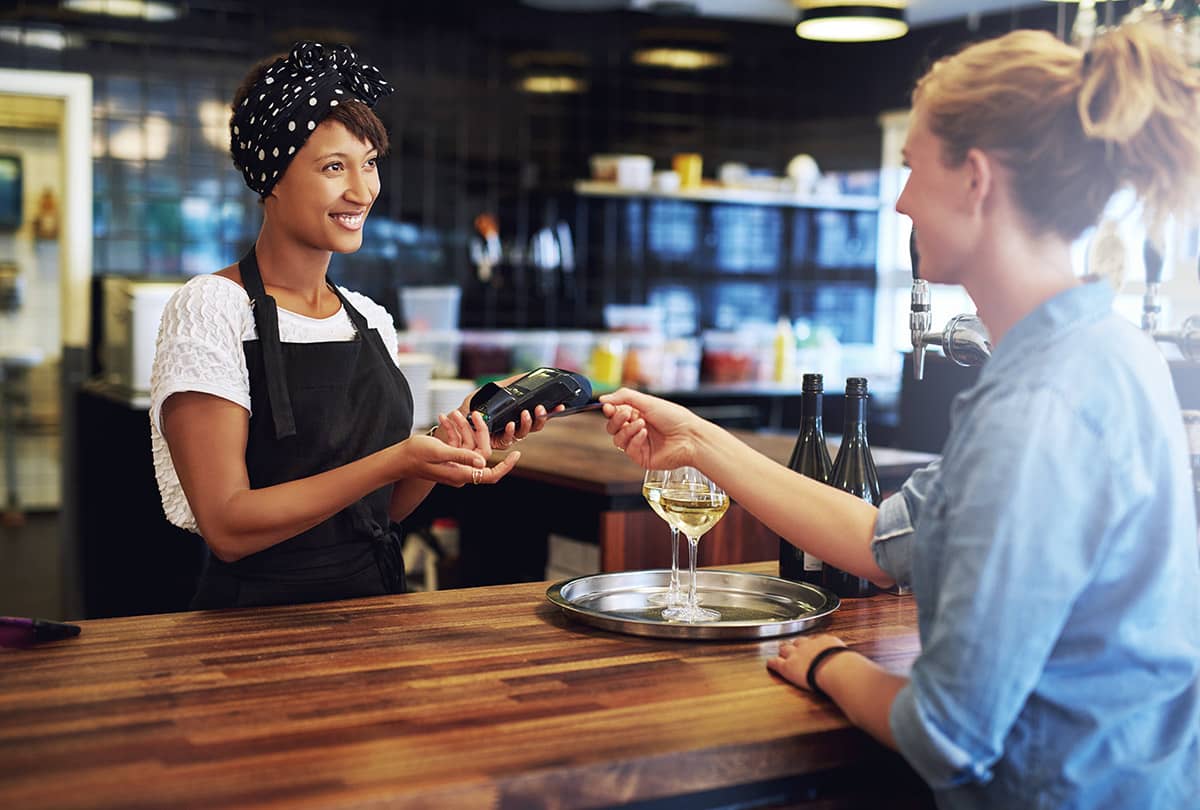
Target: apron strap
{"points": [[372, 337], [266, 320]]}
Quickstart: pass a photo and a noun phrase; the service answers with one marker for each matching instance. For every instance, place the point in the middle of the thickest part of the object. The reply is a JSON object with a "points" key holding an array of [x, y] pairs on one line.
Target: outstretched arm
{"points": [[833, 525]]}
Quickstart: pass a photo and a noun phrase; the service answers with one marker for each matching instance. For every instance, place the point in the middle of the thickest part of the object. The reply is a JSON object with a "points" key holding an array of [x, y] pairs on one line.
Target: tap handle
{"points": [[1154, 262], [913, 256]]}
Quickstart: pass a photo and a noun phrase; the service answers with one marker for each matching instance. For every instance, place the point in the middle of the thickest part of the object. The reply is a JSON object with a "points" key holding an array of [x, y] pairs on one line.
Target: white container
{"points": [[448, 395], [534, 349], [442, 344], [635, 171], [430, 308], [417, 369], [574, 350], [132, 311]]}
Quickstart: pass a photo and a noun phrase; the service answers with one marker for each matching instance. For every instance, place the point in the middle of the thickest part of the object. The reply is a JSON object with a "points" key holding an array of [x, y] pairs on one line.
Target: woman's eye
{"points": [[333, 167], [373, 162]]}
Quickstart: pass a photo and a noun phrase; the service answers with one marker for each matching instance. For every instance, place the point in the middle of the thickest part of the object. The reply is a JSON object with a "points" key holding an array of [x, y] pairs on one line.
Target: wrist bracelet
{"points": [[818, 659]]}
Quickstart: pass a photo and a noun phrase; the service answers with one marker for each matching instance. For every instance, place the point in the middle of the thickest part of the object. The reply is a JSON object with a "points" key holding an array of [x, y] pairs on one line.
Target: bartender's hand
{"points": [[434, 460], [796, 655], [655, 433], [456, 428]]}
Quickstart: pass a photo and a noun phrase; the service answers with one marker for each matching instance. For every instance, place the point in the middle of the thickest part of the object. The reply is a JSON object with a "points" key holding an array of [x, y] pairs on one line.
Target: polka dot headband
{"points": [[287, 103]]}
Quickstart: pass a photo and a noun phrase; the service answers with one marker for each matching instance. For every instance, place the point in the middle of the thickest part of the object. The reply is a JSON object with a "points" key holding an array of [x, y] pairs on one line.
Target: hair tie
{"points": [[287, 103]]}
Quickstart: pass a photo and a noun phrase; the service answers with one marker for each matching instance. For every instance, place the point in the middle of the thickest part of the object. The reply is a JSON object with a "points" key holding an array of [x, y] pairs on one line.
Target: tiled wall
{"points": [[465, 140]]}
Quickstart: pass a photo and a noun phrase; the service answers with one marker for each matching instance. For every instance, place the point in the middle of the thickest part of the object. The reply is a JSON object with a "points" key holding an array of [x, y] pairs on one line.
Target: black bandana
{"points": [[287, 103]]}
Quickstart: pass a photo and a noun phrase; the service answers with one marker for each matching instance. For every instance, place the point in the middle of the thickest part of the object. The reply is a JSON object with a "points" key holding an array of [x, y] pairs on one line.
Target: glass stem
{"points": [[693, 599], [674, 585]]}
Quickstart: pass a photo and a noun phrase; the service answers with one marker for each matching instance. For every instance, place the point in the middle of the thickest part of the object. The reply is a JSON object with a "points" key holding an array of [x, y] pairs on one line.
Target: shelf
{"points": [[719, 194]]}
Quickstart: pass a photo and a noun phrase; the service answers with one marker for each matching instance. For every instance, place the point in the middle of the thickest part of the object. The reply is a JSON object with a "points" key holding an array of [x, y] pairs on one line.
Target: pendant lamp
{"points": [[864, 21]]}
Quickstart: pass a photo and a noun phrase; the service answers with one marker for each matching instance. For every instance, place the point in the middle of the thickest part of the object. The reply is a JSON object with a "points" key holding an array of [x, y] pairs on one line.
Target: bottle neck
{"points": [[856, 416], [810, 411]]}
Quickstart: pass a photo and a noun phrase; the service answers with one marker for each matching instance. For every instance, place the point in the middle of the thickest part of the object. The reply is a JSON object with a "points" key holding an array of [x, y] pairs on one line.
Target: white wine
{"points": [[653, 496], [693, 510]]}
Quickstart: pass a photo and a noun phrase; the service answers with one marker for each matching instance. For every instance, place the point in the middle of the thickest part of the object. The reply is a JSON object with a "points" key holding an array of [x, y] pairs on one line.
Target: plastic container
{"points": [[729, 357], [430, 308], [443, 344], [644, 360], [534, 349], [417, 369], [607, 361], [486, 355], [574, 350]]}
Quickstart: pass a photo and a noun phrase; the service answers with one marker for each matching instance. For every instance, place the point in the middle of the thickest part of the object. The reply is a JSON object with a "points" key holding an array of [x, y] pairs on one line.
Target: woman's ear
{"points": [[980, 176]]}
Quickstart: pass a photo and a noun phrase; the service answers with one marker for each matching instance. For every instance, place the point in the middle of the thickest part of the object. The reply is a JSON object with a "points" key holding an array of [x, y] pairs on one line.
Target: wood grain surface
{"points": [[485, 697], [577, 452]]}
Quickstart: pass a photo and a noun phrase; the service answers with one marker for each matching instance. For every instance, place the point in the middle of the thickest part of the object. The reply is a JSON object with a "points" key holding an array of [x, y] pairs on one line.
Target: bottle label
{"points": [[812, 563]]}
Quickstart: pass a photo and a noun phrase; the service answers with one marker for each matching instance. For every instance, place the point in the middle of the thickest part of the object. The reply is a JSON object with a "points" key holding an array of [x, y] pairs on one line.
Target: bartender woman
{"points": [[280, 421]]}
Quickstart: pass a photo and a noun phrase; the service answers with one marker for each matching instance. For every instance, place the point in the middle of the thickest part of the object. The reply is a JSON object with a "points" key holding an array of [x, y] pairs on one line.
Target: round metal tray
{"points": [[751, 605]]}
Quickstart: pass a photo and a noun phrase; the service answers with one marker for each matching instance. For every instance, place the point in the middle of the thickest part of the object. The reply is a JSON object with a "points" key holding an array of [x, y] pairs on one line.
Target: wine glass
{"points": [[693, 504], [652, 486]]}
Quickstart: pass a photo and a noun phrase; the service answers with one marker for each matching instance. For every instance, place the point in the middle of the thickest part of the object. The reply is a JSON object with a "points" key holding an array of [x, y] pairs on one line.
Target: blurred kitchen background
{"points": [[686, 196]]}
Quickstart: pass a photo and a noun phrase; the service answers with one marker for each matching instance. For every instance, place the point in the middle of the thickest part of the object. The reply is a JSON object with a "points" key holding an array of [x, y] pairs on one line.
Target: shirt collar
{"points": [[1043, 327]]}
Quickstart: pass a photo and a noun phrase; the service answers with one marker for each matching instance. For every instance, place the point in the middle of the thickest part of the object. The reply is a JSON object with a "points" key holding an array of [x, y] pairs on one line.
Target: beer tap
{"points": [[964, 340], [1187, 337]]}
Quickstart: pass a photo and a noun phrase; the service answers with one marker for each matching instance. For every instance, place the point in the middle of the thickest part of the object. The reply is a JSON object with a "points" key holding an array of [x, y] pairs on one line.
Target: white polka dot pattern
{"points": [[311, 77], [199, 348]]}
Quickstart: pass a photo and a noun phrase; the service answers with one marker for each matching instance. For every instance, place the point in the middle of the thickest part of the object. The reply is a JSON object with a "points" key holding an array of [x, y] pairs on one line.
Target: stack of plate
{"points": [[447, 395], [418, 370]]}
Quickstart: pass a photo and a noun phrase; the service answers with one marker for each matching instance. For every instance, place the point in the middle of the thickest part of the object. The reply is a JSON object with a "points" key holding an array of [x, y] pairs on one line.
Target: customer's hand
{"points": [[655, 433], [796, 655]]}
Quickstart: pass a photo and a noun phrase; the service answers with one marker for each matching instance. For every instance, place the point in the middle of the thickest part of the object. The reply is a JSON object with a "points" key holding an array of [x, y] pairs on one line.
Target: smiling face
{"points": [[324, 196], [937, 198]]}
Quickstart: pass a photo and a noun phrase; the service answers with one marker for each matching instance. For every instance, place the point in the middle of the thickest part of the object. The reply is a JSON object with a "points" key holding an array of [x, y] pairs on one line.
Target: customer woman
{"points": [[280, 420], [1052, 552]]}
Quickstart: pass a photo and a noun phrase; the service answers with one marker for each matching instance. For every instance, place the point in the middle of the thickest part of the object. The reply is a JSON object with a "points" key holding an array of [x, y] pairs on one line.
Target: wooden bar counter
{"points": [[485, 697]]}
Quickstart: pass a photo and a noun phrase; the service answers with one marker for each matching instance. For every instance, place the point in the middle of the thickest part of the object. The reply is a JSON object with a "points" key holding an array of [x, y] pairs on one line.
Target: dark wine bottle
{"points": [[854, 472], [810, 457]]}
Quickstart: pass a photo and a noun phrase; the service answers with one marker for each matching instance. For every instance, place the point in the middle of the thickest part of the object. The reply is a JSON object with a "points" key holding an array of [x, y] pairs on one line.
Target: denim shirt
{"points": [[1053, 556]]}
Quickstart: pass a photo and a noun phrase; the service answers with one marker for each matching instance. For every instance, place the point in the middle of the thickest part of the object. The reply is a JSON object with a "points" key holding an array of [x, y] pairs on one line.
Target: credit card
{"points": [[591, 406]]}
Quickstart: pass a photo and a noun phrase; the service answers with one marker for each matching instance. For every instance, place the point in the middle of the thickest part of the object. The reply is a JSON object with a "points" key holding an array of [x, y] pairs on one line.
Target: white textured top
{"points": [[199, 348]]}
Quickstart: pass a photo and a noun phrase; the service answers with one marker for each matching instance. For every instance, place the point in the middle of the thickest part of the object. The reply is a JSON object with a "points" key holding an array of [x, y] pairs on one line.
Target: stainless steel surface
{"points": [[920, 320], [752, 606], [1187, 339], [965, 341]]}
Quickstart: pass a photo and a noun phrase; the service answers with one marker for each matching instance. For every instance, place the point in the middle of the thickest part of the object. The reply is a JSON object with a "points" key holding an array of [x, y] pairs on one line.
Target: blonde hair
{"points": [[1073, 128]]}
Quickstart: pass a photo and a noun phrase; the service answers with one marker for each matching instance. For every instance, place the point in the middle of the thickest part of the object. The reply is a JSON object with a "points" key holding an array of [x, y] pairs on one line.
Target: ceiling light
{"points": [[679, 58], [680, 49], [550, 71], [140, 9], [50, 38], [552, 83], [851, 22]]}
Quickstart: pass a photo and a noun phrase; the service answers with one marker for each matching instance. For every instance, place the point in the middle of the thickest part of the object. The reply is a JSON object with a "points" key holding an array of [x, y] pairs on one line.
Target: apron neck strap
{"points": [[266, 320]]}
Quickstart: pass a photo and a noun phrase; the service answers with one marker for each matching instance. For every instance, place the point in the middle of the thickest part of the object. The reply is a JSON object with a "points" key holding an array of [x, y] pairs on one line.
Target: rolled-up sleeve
{"points": [[892, 543]]}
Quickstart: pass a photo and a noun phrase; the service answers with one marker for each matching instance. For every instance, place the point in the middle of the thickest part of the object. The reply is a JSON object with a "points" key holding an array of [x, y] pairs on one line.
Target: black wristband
{"points": [[818, 659]]}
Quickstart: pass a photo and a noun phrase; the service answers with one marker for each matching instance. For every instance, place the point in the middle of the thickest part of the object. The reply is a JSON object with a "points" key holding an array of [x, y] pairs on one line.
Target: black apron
{"points": [[316, 406]]}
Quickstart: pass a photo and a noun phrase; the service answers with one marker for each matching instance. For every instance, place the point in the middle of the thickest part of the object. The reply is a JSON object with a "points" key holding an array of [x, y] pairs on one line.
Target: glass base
{"points": [[668, 597], [690, 615]]}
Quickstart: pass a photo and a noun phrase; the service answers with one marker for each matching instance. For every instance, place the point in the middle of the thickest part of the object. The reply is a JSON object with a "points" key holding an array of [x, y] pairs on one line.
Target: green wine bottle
{"points": [[810, 457], [854, 472]]}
